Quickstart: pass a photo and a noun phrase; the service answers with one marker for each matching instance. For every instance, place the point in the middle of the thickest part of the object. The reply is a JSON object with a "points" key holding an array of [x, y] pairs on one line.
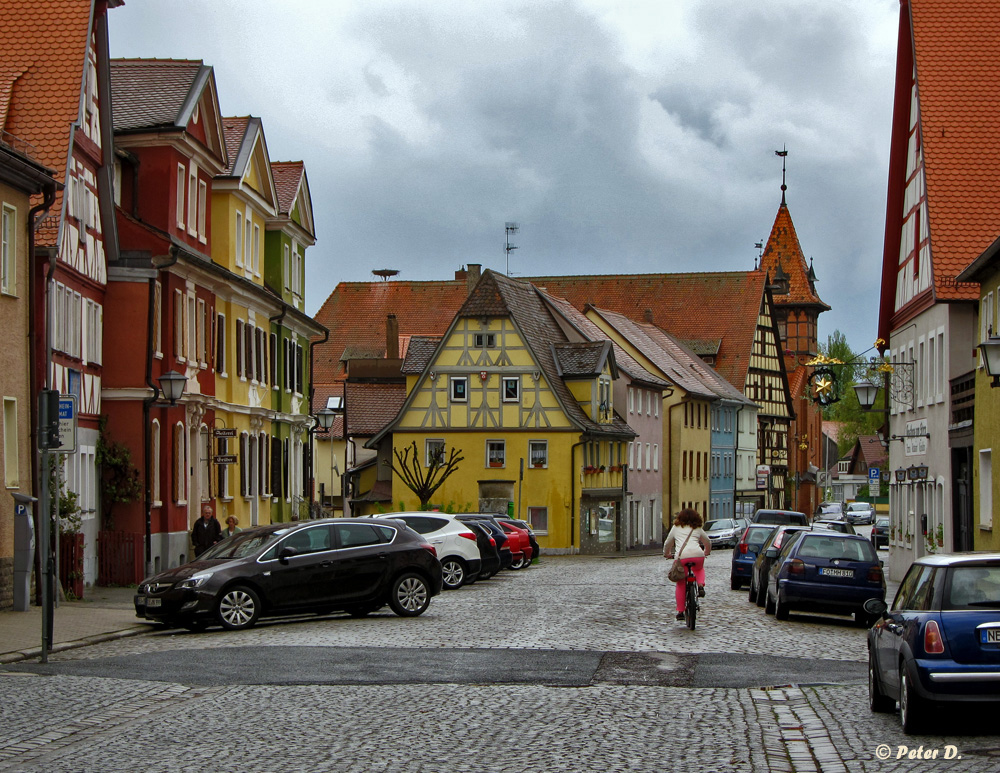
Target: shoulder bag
{"points": [[677, 571]]}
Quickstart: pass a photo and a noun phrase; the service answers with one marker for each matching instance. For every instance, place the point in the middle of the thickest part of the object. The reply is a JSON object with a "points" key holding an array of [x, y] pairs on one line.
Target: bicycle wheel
{"points": [[691, 604]]}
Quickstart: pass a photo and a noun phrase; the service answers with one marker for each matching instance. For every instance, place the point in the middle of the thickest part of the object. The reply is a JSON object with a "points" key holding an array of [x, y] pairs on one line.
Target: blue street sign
{"points": [[873, 474]]}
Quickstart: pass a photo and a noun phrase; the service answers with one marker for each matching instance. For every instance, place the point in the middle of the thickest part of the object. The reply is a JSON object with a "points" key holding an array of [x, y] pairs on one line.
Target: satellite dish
{"points": [[385, 273]]}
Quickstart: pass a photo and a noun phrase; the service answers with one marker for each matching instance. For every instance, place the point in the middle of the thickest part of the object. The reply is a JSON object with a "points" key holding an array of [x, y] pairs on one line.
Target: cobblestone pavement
{"points": [[619, 607]]}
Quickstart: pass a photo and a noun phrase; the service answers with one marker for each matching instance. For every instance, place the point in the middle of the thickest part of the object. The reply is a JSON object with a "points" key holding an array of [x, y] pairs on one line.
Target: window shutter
{"points": [[244, 461], [275, 467], [239, 347]]}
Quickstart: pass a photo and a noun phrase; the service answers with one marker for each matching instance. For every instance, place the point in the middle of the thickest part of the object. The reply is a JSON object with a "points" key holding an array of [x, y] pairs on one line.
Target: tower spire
{"points": [[783, 152]]}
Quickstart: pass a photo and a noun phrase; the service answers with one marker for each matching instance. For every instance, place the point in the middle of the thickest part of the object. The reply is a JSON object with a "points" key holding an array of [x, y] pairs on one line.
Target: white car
{"points": [[860, 512], [454, 541]]}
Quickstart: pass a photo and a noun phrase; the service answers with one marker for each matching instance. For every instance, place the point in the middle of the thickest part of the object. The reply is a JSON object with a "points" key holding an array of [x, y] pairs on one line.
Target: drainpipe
{"points": [[572, 491], [49, 194], [171, 258], [312, 395]]}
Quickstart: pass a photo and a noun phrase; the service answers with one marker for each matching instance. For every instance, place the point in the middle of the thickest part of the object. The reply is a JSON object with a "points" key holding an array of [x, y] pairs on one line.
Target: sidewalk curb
{"points": [[36, 652]]}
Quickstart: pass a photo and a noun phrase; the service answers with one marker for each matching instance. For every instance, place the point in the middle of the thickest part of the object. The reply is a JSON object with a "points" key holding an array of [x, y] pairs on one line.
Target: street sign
{"points": [[763, 473], [224, 432], [67, 425], [873, 475], [225, 459]]}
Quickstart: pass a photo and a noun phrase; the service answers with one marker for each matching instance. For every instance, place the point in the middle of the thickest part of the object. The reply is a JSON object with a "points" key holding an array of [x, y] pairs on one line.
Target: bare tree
{"points": [[424, 481]]}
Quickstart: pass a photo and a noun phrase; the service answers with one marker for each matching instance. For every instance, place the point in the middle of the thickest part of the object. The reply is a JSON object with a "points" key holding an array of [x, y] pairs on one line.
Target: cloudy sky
{"points": [[621, 135]]}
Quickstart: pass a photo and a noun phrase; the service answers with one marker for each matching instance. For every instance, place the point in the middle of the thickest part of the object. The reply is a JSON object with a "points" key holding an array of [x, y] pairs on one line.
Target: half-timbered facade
{"points": [[55, 79], [507, 388]]}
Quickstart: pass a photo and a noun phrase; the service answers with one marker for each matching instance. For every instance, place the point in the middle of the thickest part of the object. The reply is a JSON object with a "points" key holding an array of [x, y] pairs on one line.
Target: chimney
{"points": [[474, 271], [391, 338], [649, 316], [460, 275]]}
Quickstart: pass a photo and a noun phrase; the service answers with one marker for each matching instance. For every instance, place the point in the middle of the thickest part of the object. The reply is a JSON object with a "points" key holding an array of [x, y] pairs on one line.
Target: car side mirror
{"points": [[875, 607], [287, 553], [771, 553]]}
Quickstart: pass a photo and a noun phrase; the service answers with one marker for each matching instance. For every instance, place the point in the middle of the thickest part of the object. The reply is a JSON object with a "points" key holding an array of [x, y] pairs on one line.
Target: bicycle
{"points": [[690, 596]]}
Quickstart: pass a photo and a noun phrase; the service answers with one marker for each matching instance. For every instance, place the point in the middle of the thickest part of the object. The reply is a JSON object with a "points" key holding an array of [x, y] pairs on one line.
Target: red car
{"points": [[520, 545]]}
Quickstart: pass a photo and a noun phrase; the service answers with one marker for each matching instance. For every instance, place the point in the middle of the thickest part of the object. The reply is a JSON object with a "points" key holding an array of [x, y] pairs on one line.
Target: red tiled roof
{"points": [[234, 130], [872, 452], [371, 406], [148, 93], [957, 75], [783, 249], [355, 314], [44, 52], [287, 176], [720, 306]]}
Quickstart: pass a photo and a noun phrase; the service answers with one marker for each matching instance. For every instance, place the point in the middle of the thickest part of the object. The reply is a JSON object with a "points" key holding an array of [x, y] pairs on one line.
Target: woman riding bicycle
{"points": [[687, 535]]}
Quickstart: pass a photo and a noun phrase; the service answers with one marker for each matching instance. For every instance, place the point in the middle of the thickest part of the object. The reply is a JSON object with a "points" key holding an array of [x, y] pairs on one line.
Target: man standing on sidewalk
{"points": [[206, 531]]}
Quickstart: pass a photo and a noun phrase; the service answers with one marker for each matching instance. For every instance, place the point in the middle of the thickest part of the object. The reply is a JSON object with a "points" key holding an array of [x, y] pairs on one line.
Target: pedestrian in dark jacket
{"points": [[206, 531]]}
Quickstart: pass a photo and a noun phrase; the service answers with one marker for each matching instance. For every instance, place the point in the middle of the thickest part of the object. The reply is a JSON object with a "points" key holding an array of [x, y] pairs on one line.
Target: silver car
{"points": [[860, 512]]}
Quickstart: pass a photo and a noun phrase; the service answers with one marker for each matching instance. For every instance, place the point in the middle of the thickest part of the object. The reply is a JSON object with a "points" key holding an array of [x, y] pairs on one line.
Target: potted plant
{"points": [[940, 535]]}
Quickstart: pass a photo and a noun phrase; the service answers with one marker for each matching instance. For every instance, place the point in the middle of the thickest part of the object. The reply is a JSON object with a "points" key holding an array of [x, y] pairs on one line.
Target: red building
{"points": [[161, 296]]}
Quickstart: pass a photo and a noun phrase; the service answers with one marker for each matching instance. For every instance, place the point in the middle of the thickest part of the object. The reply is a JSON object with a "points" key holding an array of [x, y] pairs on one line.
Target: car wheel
{"points": [[780, 608], [410, 595], [768, 603], [752, 596], [238, 608], [735, 582], [518, 562], [453, 573], [761, 596], [911, 708], [877, 702]]}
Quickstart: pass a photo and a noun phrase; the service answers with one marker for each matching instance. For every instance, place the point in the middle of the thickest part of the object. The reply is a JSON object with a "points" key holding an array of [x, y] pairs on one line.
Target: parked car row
{"points": [[354, 565]]}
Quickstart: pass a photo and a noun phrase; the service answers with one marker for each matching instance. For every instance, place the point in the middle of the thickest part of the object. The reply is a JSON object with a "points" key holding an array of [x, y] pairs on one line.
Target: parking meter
{"points": [[24, 549]]}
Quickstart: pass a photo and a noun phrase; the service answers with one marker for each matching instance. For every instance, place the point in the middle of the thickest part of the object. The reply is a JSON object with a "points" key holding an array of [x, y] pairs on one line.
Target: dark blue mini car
{"points": [[745, 553], [825, 571], [939, 642]]}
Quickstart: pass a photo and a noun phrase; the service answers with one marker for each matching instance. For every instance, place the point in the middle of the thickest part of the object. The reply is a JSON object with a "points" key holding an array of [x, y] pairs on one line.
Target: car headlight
{"points": [[193, 582]]}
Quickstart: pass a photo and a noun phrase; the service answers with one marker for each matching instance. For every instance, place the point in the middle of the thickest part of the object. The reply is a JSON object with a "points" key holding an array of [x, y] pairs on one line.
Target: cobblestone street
{"points": [[653, 695]]}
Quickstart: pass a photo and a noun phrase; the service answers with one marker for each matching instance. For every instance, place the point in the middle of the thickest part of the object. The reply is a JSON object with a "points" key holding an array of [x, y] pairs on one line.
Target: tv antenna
{"points": [[509, 228]]}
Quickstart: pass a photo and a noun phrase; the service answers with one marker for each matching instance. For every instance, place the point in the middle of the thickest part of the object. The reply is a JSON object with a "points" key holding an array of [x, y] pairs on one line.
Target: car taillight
{"points": [[933, 643], [744, 547], [467, 535], [875, 574], [493, 542], [796, 566], [428, 546]]}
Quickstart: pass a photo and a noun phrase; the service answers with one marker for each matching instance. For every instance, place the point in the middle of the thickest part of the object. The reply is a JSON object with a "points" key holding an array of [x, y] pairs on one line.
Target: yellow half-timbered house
{"points": [[531, 412]]}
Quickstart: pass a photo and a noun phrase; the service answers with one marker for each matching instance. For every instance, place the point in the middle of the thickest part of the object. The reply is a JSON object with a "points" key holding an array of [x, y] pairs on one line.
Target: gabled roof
{"points": [[292, 187], [588, 330], [164, 94], [42, 74], [678, 363], [711, 306], [869, 452], [496, 295], [247, 151], [950, 46], [783, 249]]}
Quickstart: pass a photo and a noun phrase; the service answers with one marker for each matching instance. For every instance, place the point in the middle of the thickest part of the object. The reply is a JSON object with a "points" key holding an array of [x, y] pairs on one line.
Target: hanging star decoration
{"points": [[822, 381]]}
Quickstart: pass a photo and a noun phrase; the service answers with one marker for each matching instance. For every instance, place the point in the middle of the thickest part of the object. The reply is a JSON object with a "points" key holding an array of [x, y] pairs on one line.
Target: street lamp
{"points": [[325, 417], [866, 391], [172, 386], [991, 358]]}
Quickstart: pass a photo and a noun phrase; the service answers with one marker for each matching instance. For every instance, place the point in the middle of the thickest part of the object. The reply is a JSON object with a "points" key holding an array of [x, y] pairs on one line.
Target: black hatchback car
{"points": [[353, 565]]}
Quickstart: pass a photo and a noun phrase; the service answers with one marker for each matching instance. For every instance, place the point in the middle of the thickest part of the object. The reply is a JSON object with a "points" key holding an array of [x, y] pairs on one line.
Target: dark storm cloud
{"points": [[621, 136]]}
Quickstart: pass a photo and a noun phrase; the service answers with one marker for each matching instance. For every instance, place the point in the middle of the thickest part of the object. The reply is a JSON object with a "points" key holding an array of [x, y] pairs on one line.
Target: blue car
{"points": [[824, 571], [939, 642], [745, 553]]}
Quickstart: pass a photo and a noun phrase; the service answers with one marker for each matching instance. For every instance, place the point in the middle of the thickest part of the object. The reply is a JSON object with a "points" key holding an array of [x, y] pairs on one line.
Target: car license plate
{"points": [[831, 572], [153, 602], [989, 635]]}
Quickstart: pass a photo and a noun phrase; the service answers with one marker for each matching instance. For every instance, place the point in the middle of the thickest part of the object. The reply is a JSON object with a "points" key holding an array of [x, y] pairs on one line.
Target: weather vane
{"points": [[783, 152]]}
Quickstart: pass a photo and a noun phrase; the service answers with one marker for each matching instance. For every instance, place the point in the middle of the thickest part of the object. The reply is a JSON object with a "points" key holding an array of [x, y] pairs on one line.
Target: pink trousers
{"points": [[699, 575]]}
